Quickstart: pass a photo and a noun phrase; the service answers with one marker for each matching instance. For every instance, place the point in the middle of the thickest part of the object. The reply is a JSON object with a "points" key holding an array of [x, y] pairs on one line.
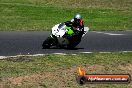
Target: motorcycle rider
{"points": [[76, 24], [72, 37]]}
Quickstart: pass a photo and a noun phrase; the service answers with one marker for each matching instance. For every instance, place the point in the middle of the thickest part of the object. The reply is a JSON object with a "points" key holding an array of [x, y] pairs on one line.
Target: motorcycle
{"points": [[63, 36]]}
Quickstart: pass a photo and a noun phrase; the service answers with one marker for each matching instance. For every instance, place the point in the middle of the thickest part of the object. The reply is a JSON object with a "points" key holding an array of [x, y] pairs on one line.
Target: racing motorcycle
{"points": [[63, 36]]}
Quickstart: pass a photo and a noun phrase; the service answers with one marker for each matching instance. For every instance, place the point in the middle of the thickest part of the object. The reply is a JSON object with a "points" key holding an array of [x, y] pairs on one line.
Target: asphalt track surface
{"points": [[23, 43]]}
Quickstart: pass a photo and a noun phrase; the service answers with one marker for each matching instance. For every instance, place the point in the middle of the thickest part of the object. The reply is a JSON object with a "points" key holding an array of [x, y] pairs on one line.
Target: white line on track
{"points": [[60, 53], [86, 52], [105, 52], [4, 57], [109, 33], [127, 51]]}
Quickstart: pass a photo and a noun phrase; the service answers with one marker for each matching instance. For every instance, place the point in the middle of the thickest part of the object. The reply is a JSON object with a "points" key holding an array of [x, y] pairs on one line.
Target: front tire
{"points": [[49, 42]]}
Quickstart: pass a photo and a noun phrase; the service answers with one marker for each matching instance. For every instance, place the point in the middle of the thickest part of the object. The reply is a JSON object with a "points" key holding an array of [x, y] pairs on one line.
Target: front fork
{"points": [[55, 40]]}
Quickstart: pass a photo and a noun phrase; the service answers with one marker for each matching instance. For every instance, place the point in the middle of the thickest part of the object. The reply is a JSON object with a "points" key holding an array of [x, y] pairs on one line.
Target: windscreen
{"points": [[62, 26]]}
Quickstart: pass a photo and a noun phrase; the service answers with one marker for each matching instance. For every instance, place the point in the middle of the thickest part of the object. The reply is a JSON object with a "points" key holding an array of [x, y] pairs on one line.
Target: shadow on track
{"points": [[64, 48]]}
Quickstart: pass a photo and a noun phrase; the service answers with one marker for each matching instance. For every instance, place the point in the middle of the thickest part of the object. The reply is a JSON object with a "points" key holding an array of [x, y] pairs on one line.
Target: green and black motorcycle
{"points": [[63, 36]]}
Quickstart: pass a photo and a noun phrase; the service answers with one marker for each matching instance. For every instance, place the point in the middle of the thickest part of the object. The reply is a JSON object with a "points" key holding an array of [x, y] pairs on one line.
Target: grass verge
{"points": [[59, 71], [36, 15]]}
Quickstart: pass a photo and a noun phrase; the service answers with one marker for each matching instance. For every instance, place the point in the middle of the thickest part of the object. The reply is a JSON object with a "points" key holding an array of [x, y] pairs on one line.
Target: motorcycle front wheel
{"points": [[49, 42]]}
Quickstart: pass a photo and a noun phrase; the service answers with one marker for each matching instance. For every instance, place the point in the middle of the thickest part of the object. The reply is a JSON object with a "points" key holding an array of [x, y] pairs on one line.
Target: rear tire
{"points": [[74, 42]]}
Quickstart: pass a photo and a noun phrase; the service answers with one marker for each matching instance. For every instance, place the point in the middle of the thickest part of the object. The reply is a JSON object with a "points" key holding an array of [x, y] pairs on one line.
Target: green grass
{"points": [[60, 70], [36, 15]]}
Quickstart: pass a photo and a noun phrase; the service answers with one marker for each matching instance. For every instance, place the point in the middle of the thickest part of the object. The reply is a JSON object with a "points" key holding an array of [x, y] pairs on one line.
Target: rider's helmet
{"points": [[77, 18]]}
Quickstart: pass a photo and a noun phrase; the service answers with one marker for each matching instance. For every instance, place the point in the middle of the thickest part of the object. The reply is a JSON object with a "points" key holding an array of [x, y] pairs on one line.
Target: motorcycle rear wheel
{"points": [[75, 40]]}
